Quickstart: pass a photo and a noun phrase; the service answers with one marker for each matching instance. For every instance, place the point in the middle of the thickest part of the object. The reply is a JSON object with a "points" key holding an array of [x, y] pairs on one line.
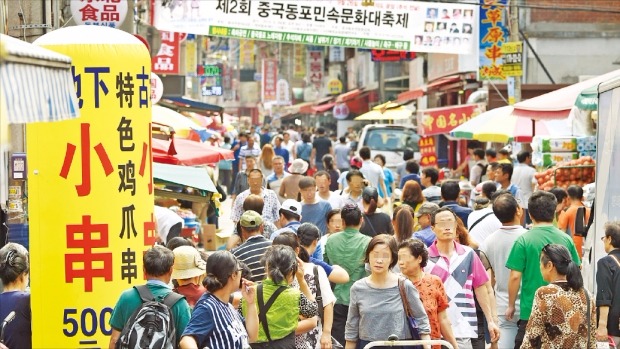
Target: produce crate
{"points": [[563, 176]]}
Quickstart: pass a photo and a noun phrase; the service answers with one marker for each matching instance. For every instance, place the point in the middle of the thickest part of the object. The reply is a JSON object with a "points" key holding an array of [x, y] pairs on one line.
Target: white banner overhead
{"points": [[391, 25]]}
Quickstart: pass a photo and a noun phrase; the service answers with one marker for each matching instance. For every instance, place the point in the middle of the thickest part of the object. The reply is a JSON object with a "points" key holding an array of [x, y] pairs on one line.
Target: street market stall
{"points": [[189, 153], [183, 126]]}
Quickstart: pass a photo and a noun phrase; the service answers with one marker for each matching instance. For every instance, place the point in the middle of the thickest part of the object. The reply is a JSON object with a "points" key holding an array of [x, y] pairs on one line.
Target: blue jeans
{"points": [[507, 332]]}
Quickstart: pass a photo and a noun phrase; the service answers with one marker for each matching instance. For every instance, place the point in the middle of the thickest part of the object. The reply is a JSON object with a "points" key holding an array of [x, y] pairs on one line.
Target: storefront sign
{"points": [[512, 53], [270, 78], [351, 74], [428, 151], [493, 33], [109, 13], [15, 192], [191, 60], [443, 120], [283, 92], [211, 79], [90, 190], [334, 87], [388, 25], [316, 68], [19, 169], [299, 53], [157, 88], [336, 54], [391, 56], [341, 111], [246, 53], [167, 59]]}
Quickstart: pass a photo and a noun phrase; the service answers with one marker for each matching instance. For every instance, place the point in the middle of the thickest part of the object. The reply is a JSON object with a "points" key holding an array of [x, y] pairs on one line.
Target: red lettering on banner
{"points": [[167, 59], [84, 188], [443, 120], [87, 236], [150, 234], [89, 13], [428, 151], [494, 16]]}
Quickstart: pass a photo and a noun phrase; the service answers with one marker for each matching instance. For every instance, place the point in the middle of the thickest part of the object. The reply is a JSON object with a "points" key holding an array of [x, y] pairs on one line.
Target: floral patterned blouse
{"points": [[558, 319]]}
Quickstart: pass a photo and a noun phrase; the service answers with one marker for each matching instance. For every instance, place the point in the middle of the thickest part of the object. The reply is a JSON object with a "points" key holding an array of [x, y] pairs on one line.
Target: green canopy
{"points": [[195, 177], [588, 99]]}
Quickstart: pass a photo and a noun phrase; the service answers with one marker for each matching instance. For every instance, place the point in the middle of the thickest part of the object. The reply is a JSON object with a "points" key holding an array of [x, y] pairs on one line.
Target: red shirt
{"points": [[192, 293]]}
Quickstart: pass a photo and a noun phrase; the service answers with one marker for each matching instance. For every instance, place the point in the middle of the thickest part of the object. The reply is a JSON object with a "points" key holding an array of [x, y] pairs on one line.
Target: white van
{"points": [[391, 141]]}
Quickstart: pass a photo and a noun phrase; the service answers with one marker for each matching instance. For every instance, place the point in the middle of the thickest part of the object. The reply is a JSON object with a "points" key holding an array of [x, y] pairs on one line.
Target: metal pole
{"points": [[381, 82], [514, 36]]}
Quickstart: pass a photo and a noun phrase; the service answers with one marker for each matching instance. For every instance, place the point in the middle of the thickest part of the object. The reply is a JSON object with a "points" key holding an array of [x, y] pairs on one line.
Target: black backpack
{"points": [[152, 324], [484, 169]]}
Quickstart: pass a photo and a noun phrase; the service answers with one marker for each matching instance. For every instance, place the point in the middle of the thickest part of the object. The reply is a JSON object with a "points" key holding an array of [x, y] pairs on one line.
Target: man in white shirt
{"points": [[497, 247], [482, 223], [323, 182], [250, 149], [523, 176], [169, 223], [371, 171]]}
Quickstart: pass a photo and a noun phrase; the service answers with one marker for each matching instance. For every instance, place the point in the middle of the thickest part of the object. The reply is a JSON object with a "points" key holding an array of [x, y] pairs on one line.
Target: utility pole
{"points": [[381, 83], [514, 37]]}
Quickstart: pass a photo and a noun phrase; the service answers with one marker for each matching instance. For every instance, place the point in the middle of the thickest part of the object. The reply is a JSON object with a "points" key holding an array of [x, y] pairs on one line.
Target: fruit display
{"points": [[575, 172]]}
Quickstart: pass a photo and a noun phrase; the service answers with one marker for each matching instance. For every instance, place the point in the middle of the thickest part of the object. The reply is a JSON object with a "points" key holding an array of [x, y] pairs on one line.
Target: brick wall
{"points": [[563, 16]]}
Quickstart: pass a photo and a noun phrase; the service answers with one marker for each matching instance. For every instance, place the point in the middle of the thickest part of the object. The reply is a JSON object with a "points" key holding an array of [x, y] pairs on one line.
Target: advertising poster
{"points": [[269, 81], [90, 190], [167, 60], [442, 120], [412, 26], [493, 33]]}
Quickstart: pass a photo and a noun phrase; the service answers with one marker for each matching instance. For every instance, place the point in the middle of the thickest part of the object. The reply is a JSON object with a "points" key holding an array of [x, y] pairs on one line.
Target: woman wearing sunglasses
{"points": [[563, 315], [215, 323]]}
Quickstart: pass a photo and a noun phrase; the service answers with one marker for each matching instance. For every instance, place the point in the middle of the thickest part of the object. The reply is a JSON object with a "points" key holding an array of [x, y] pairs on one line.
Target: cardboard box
{"points": [[210, 241]]}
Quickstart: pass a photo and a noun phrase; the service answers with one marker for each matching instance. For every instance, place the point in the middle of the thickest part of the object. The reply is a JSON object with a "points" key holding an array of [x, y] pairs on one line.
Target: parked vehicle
{"points": [[391, 141]]}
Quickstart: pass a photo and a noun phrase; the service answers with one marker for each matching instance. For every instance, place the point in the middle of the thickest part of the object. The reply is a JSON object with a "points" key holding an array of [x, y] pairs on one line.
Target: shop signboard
{"points": [[428, 152], [191, 58], [443, 120], [341, 111], [512, 53], [388, 25], [336, 54], [90, 190], [391, 56], [269, 80], [157, 88], [493, 34], [167, 60], [283, 92], [316, 68], [246, 53], [211, 79], [299, 53], [109, 13], [334, 87]]}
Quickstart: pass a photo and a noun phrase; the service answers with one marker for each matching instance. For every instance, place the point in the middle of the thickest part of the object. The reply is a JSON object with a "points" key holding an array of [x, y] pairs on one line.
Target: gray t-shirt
{"points": [[342, 155], [497, 248], [377, 313]]}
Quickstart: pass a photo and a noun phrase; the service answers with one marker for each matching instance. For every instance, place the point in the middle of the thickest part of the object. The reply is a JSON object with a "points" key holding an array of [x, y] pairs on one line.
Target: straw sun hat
{"points": [[187, 263]]}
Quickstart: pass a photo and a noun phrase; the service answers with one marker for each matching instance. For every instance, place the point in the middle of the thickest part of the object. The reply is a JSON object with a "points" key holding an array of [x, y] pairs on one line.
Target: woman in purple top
{"points": [[14, 269]]}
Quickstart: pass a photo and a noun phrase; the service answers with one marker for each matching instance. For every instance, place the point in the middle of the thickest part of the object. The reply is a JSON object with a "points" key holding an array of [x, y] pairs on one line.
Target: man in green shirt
{"points": [[524, 258], [158, 262], [346, 249]]}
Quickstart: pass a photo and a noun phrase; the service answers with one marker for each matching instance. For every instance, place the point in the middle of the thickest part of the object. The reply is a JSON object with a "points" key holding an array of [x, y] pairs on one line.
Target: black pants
{"points": [[341, 312], [520, 333]]}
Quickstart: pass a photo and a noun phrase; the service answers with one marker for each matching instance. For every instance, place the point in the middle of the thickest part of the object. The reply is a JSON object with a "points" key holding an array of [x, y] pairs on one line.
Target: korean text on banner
{"points": [[443, 120], [388, 25], [270, 78], [299, 52], [493, 33], [90, 189]]}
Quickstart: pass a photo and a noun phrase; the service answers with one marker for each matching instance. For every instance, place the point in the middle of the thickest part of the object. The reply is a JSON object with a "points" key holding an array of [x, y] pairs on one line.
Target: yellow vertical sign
{"points": [[246, 53], [299, 52], [90, 190], [191, 61]]}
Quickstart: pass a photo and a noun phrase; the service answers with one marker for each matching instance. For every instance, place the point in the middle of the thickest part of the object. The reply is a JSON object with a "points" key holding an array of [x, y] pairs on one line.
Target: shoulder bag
{"points": [[319, 302], [263, 308], [411, 322]]}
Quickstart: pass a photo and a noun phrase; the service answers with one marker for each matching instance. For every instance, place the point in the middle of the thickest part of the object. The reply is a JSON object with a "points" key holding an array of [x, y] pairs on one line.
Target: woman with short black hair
{"points": [[563, 315]]}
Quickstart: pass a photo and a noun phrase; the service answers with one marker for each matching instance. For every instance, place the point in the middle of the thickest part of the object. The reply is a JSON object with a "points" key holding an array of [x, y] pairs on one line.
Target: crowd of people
{"points": [[327, 252]]}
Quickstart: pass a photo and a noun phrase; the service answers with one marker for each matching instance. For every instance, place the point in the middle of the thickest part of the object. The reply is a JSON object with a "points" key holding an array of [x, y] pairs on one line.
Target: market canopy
{"points": [[195, 177], [186, 104], [387, 111], [36, 84], [188, 153], [183, 126], [558, 104], [500, 125]]}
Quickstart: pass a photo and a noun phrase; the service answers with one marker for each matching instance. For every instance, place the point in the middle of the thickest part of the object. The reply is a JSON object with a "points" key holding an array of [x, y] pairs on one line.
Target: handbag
{"points": [[411, 322], [319, 302]]}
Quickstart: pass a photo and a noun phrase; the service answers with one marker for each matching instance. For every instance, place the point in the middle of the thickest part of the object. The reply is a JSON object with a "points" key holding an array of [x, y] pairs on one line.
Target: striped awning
{"points": [[36, 84]]}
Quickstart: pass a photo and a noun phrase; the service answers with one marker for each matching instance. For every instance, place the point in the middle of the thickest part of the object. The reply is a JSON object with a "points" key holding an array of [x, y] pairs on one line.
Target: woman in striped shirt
{"points": [[215, 323]]}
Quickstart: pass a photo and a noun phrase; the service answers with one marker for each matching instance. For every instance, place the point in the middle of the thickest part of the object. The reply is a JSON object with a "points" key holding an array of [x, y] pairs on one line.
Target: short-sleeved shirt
{"points": [[523, 177], [283, 152], [433, 296], [247, 151], [408, 177], [524, 257], [192, 293], [376, 224], [487, 224], [315, 214], [426, 235], [462, 212], [566, 220], [217, 325], [373, 173], [432, 194], [18, 333], [271, 206], [251, 252], [388, 179], [322, 145], [608, 291], [335, 200], [342, 155], [347, 249], [461, 275], [130, 300]]}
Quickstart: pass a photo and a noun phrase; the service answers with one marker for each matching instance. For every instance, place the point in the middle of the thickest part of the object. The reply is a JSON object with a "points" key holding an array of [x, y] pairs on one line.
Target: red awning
{"points": [[443, 81], [348, 95], [323, 107], [558, 104], [407, 96]]}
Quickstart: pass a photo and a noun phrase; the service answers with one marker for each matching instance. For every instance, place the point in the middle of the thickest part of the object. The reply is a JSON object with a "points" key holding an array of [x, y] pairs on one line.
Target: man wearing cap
{"points": [[254, 245], [290, 216], [290, 185], [271, 202], [423, 216], [188, 270], [274, 180]]}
